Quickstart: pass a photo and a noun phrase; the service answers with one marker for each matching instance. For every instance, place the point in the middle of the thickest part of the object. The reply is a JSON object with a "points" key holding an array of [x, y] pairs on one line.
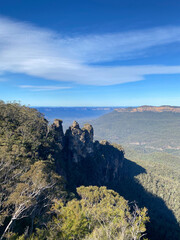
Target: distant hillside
{"points": [[151, 139], [145, 108], [150, 129]]}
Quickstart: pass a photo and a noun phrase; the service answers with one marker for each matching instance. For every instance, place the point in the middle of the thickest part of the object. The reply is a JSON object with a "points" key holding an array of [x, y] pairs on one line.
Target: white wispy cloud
{"points": [[108, 47], [42, 88], [46, 54]]}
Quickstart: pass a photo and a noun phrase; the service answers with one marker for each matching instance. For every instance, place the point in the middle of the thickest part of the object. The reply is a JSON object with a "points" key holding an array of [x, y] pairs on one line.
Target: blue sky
{"points": [[90, 53]]}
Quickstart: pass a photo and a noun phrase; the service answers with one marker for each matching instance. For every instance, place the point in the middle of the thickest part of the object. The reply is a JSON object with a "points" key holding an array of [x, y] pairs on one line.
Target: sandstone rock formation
{"points": [[58, 132], [83, 161], [79, 142]]}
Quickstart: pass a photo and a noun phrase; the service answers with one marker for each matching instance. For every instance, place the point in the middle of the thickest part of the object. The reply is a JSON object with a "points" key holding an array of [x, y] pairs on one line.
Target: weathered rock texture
{"points": [[58, 132], [79, 141], [83, 161]]}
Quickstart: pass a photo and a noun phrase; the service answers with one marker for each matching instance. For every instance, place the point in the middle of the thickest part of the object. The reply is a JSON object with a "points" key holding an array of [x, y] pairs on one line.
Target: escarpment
{"points": [[83, 161]]}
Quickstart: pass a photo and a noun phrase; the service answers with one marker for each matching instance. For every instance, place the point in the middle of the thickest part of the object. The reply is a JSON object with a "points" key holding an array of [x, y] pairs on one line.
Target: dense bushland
{"points": [[35, 202]]}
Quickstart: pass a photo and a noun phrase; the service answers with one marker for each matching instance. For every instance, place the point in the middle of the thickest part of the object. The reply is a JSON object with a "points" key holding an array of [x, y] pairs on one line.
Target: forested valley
{"points": [[41, 171], [57, 185], [151, 140]]}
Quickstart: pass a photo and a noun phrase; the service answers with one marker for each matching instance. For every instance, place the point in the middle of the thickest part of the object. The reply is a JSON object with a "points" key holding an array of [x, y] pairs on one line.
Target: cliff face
{"points": [[83, 161], [79, 142]]}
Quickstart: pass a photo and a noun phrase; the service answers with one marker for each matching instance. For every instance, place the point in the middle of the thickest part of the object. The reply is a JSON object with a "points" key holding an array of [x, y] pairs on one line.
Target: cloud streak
{"points": [[42, 88], [42, 53], [117, 46]]}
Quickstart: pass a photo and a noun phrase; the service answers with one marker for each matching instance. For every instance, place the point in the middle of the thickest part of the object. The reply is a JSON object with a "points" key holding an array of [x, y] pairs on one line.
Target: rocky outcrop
{"points": [[58, 132], [79, 142], [84, 161]]}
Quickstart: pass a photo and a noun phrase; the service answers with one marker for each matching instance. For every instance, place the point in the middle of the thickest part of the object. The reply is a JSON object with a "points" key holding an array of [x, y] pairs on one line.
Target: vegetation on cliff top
{"points": [[34, 200]]}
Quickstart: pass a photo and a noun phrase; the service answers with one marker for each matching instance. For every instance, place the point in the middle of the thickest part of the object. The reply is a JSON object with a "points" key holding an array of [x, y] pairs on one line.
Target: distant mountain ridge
{"points": [[71, 113], [68, 114], [146, 108]]}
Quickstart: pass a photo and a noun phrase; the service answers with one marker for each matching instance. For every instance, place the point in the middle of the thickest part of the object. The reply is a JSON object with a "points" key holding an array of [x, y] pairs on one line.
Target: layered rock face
{"points": [[59, 134], [84, 161], [79, 141], [110, 167]]}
